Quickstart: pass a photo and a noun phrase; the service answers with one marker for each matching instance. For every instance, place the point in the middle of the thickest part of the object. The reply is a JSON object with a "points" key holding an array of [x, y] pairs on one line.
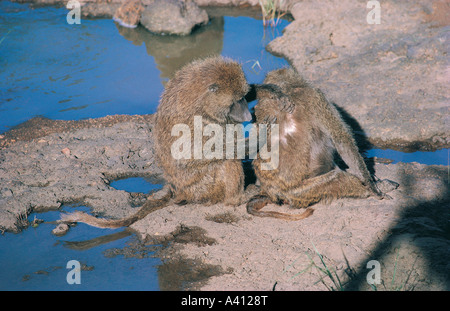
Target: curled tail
{"points": [[155, 202], [257, 202]]}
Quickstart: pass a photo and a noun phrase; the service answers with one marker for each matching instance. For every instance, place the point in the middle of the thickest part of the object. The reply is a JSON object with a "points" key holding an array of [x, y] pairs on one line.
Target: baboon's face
{"points": [[226, 92], [238, 111], [213, 88], [227, 105]]}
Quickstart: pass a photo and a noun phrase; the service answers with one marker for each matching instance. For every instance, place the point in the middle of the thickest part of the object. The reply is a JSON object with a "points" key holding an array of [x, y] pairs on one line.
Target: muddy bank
{"points": [[410, 232], [73, 162]]}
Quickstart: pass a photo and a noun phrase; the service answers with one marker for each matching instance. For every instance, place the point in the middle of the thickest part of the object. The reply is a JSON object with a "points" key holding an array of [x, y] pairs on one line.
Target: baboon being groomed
{"points": [[208, 92], [311, 135]]}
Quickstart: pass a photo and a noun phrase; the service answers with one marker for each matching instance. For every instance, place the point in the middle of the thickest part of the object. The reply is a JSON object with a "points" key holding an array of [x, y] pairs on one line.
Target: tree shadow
{"points": [[425, 224], [426, 220]]}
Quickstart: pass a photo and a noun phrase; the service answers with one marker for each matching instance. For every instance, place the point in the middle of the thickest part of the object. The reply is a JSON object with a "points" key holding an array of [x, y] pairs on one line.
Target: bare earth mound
{"points": [[408, 233]]}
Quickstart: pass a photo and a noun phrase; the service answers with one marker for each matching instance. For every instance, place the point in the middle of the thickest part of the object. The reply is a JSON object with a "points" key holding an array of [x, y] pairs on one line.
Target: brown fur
{"points": [[211, 88], [309, 137], [187, 95]]}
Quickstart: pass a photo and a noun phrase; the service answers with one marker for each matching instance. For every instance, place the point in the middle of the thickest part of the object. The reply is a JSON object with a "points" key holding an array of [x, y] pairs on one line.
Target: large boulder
{"points": [[173, 17], [392, 77]]}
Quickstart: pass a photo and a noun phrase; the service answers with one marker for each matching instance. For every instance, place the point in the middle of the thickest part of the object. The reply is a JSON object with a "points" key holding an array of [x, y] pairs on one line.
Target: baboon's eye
{"points": [[213, 88]]}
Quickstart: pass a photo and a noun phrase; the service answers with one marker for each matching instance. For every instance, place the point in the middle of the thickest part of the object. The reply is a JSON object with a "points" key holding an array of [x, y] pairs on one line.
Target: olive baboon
{"points": [[311, 136], [213, 89]]}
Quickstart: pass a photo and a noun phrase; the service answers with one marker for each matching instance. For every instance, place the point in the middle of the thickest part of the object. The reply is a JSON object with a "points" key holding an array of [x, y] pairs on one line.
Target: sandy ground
{"points": [[409, 233]]}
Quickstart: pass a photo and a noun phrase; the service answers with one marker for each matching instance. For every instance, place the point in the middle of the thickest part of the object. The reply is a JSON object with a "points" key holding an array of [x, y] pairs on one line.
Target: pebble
{"points": [[66, 152], [61, 230]]}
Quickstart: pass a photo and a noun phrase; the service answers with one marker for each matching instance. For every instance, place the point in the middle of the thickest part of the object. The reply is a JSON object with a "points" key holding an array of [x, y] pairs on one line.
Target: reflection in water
{"points": [[104, 239], [172, 52], [23, 256], [69, 72]]}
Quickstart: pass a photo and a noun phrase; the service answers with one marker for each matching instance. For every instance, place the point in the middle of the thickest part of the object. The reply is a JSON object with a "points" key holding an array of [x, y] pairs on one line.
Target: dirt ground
{"points": [[408, 234]]}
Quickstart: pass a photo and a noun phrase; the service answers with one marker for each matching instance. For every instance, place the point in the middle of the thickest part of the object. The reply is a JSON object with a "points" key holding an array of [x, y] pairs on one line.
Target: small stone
{"points": [[61, 230], [66, 152]]}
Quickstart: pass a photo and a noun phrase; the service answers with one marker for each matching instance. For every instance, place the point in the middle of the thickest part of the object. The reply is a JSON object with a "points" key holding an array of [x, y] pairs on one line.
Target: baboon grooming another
{"points": [[310, 137], [213, 89]]}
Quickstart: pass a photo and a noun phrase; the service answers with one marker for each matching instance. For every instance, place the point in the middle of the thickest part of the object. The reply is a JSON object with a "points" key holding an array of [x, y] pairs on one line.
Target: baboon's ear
{"points": [[213, 88]]}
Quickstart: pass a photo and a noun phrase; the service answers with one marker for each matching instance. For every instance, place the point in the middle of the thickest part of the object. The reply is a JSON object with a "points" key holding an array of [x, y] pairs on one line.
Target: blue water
{"points": [[23, 255], [71, 72], [136, 184], [439, 157]]}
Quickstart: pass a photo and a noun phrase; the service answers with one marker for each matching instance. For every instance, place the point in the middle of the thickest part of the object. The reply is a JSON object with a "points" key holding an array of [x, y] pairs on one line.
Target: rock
{"points": [[129, 13], [230, 3], [66, 152], [61, 230], [390, 77], [102, 10], [173, 17]]}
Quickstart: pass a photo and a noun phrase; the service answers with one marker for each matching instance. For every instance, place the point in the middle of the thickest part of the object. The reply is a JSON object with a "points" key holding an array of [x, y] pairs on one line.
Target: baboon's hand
{"points": [[382, 186], [386, 185], [286, 105], [384, 196], [380, 194]]}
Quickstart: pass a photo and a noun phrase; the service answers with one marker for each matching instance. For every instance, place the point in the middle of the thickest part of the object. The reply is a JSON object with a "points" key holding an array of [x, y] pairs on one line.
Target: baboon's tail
{"points": [[153, 203], [257, 202]]}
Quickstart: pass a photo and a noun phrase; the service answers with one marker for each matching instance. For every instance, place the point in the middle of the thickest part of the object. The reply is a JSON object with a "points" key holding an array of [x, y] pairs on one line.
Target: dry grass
{"points": [[271, 12]]}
